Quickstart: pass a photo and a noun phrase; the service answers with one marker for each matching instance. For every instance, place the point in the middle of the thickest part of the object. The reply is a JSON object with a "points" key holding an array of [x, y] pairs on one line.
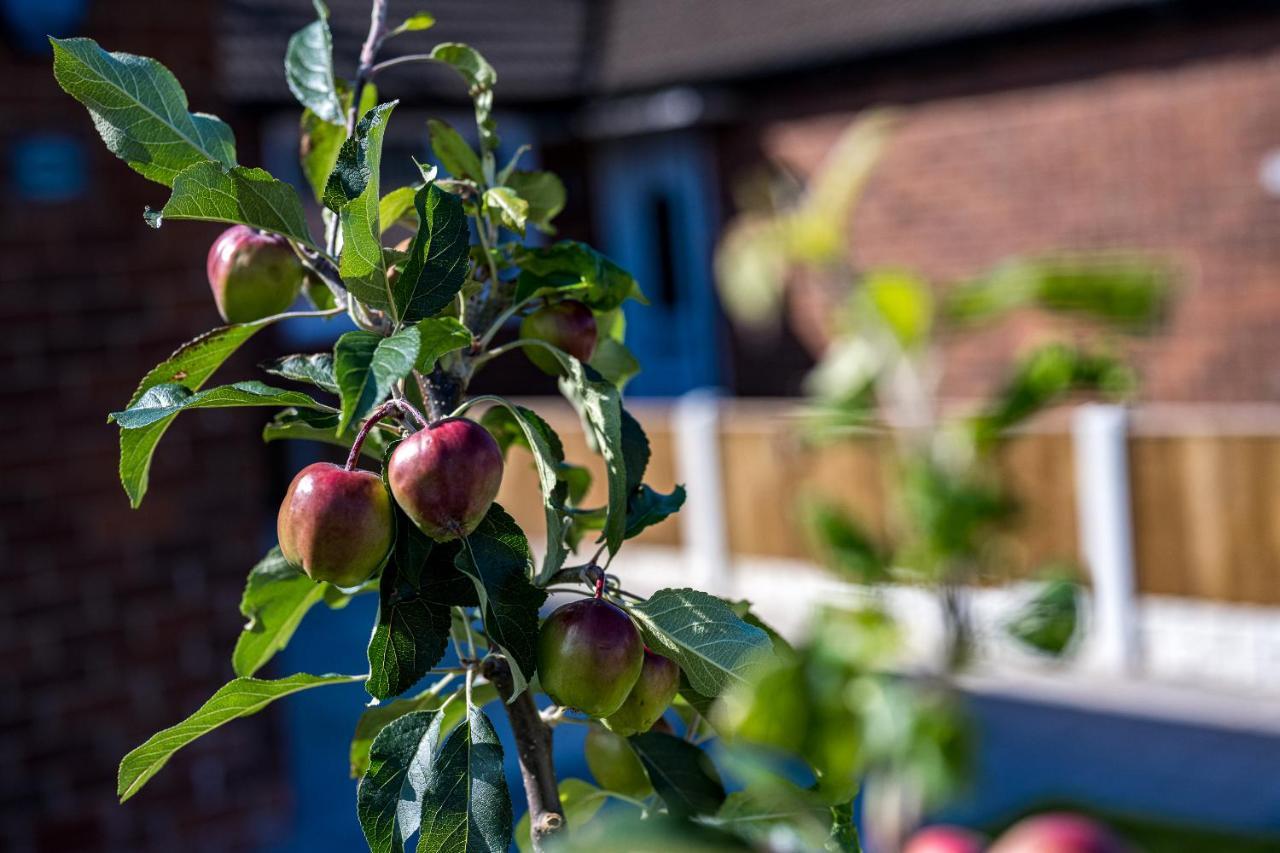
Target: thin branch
{"points": [[368, 56], [291, 315], [399, 60], [506, 348], [502, 320], [533, 748]]}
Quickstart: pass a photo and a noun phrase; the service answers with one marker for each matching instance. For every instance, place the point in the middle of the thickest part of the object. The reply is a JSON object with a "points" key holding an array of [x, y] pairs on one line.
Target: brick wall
{"points": [[1150, 138], [115, 623]]}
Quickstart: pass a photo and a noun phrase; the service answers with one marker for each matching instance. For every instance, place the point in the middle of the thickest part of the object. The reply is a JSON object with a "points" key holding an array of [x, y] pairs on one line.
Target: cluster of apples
{"points": [[1057, 832], [592, 658], [336, 523]]}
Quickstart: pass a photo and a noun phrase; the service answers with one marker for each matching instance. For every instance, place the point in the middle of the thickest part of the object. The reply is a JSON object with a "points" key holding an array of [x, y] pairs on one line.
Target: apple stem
{"points": [[402, 407], [600, 587], [377, 415]]}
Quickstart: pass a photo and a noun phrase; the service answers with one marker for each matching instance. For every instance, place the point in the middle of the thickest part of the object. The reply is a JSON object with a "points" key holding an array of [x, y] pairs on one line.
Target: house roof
{"points": [[558, 49], [537, 48]]}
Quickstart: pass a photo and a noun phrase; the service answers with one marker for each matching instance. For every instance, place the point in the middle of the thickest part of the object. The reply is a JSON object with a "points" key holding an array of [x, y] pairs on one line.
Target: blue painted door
{"points": [[656, 213]]}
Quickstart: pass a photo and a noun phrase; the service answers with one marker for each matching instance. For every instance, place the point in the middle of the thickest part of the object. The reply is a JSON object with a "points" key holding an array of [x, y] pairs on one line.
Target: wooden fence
{"points": [[1204, 483]]}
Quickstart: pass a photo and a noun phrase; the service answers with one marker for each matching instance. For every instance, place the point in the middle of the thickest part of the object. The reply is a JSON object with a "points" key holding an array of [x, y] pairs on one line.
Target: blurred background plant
{"points": [[878, 379]]}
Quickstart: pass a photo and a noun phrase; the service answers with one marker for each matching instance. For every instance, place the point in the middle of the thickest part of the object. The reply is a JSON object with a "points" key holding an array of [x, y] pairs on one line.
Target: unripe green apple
{"points": [[253, 274], [335, 524], [569, 326], [589, 656], [655, 688], [446, 476], [615, 764]]}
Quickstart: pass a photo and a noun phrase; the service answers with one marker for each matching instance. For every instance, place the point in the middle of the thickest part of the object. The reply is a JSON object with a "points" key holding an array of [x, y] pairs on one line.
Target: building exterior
{"points": [[1028, 126]]}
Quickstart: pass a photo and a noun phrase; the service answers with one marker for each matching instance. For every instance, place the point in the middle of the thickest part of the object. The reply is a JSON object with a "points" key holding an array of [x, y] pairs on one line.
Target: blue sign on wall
{"points": [[29, 22], [48, 167]]}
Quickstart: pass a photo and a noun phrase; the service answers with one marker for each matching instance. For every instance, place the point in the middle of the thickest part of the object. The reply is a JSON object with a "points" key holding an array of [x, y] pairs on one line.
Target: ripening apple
{"points": [[253, 274], [652, 694], [589, 656], [615, 764], [945, 839], [1058, 833], [446, 476], [569, 326], [335, 524]]}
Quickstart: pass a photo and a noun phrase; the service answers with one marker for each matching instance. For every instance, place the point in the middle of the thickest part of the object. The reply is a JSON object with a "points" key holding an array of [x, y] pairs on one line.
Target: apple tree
{"points": [[411, 516]]}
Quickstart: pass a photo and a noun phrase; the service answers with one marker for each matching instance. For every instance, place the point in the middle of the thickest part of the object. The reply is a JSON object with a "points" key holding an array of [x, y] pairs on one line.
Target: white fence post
{"points": [[1099, 434], [696, 428]]}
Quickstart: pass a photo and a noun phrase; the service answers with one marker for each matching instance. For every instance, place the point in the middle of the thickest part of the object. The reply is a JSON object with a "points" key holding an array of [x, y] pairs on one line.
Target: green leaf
{"points": [[366, 366], [1128, 291], [320, 144], [647, 507], [314, 368], [615, 362], [773, 808], [844, 544], [140, 110], [378, 717], [480, 79], [599, 405], [497, 559], [634, 831], [1047, 622], [1043, 377], [580, 800], [275, 599], [576, 270], [416, 22], [511, 210], [548, 456], [544, 193], [394, 206], [192, 365], [411, 633], [465, 803], [454, 153], [242, 697], [304, 425], [440, 336], [467, 61], [682, 775], [635, 450], [308, 68], [350, 175], [362, 266], [438, 257], [902, 302], [211, 192], [322, 141], [701, 633], [163, 401], [844, 828], [400, 760]]}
